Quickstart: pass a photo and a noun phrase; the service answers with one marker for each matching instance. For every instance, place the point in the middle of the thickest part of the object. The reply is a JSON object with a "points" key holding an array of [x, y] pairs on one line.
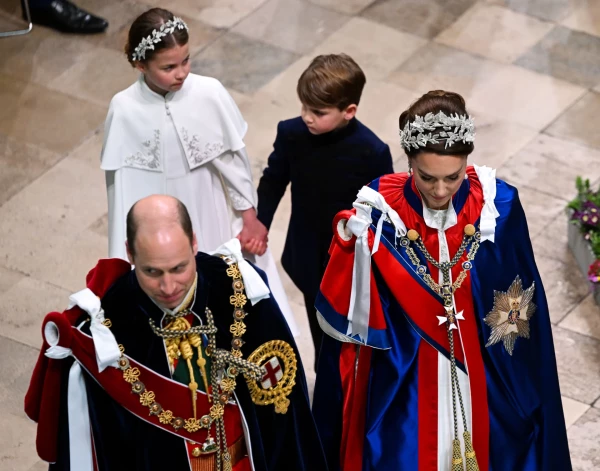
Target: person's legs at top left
{"points": [[64, 16]]}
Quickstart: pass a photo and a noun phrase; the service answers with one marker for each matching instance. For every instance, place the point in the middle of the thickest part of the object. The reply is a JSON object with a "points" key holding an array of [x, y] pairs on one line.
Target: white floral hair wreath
{"points": [[149, 41], [454, 128]]}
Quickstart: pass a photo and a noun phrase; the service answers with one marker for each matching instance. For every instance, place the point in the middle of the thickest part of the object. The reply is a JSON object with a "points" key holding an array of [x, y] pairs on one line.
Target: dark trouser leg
{"points": [[315, 329], [64, 16], [39, 3]]}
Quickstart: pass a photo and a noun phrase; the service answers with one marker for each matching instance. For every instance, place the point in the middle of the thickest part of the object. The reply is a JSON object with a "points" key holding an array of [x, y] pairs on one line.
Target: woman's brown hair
{"points": [[143, 27], [433, 102]]}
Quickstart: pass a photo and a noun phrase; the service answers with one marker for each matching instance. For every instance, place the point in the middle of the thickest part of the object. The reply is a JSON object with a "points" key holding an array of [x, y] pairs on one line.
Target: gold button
{"points": [[196, 452], [469, 230], [413, 235]]}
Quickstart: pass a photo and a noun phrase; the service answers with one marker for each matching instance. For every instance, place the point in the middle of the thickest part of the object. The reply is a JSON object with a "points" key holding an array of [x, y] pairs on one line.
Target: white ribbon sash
{"points": [[360, 297], [107, 348], [256, 288], [80, 433], [358, 312], [489, 213], [376, 200]]}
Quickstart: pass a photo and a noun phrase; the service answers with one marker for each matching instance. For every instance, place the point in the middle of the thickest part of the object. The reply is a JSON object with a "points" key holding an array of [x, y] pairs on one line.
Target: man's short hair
{"points": [[332, 80], [183, 217]]}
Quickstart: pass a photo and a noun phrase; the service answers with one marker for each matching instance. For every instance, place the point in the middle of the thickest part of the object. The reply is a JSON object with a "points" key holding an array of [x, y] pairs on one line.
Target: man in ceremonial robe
{"points": [[183, 363]]}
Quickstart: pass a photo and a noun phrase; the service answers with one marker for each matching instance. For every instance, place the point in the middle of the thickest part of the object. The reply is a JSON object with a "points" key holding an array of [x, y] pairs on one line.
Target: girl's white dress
{"points": [[188, 144]]}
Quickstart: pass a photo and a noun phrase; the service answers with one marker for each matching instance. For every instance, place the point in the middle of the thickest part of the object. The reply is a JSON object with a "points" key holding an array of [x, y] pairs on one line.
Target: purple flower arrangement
{"points": [[586, 215]]}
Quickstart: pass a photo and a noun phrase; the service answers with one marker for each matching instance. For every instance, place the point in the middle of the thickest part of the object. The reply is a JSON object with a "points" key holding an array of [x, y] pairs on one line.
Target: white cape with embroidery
{"points": [[188, 144]]}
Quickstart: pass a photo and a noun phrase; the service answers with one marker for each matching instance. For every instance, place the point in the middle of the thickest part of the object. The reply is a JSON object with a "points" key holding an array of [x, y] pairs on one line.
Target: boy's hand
{"points": [[254, 235]]}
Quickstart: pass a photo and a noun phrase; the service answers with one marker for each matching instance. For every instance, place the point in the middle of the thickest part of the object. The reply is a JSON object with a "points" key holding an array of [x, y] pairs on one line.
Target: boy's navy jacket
{"points": [[326, 172]]}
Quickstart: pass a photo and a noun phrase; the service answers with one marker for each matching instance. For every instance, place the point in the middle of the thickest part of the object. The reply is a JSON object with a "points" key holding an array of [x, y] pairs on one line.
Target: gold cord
{"points": [[196, 342]]}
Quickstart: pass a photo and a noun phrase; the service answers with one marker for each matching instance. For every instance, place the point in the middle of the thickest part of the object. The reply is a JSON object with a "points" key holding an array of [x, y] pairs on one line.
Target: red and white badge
{"points": [[273, 375]]}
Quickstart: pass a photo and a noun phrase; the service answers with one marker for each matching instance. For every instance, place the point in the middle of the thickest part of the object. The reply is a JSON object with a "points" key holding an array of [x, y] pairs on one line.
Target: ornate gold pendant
{"points": [[279, 361], [509, 318]]}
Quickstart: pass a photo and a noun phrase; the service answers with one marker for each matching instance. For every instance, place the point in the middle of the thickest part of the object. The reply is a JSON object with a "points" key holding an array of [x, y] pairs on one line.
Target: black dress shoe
{"points": [[64, 16]]}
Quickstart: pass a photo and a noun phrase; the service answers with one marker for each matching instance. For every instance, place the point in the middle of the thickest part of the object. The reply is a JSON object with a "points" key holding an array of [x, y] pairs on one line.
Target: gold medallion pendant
{"points": [[279, 362], [509, 318]]}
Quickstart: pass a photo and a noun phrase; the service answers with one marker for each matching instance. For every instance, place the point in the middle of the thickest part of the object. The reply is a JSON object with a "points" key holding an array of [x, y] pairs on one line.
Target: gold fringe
{"points": [[237, 452], [470, 458], [457, 461]]}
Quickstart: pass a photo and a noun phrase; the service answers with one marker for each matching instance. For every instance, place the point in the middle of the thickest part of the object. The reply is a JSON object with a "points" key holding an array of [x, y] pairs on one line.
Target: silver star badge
{"points": [[509, 318]]}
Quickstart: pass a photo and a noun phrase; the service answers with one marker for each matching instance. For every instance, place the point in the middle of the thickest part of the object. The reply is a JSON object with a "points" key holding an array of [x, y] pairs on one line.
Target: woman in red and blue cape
{"points": [[439, 353]]}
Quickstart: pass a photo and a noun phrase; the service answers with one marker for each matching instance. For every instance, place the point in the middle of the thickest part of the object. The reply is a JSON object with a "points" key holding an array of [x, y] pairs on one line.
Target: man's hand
{"points": [[254, 235]]}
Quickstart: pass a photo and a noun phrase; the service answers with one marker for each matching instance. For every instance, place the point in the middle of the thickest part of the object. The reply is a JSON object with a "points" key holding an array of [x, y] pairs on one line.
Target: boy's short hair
{"points": [[332, 80]]}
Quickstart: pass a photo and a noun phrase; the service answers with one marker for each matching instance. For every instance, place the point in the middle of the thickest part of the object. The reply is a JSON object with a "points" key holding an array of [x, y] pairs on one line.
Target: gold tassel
{"points": [[172, 344], [457, 461], [470, 459], [172, 350], [227, 462], [187, 353], [196, 341]]}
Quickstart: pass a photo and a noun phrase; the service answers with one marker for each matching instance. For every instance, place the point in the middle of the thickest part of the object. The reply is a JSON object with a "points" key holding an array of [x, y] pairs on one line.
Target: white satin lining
{"points": [[80, 434]]}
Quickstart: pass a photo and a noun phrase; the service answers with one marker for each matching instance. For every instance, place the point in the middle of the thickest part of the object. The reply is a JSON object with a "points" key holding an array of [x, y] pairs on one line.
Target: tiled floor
{"points": [[529, 69]]}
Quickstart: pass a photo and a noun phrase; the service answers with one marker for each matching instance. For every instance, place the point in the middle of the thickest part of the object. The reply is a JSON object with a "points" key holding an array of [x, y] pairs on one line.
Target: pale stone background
{"points": [[529, 70]]}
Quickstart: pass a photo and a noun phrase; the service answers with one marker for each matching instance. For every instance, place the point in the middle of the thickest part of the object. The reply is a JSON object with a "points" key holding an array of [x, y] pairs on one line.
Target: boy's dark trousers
{"points": [[315, 329]]}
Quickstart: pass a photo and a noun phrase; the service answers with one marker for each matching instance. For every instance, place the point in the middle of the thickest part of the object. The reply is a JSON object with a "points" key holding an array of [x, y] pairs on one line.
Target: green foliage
{"points": [[583, 193], [595, 243]]}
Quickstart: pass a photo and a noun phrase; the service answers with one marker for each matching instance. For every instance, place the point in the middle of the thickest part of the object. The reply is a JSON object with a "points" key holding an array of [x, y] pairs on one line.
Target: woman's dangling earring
{"points": [[410, 170]]}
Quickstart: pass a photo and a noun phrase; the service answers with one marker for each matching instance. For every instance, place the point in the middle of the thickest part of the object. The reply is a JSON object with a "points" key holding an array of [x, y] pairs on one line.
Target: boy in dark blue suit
{"points": [[327, 155]]}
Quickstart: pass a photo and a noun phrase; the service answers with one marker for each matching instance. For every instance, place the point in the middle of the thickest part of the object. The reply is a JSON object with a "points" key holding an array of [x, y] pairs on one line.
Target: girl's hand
{"points": [[255, 247], [254, 235]]}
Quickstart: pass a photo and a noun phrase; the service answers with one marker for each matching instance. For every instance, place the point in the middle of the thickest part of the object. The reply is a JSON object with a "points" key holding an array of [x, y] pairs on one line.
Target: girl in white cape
{"points": [[181, 134]]}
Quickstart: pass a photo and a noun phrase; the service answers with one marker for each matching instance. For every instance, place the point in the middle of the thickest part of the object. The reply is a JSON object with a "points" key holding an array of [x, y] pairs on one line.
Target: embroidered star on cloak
{"points": [[509, 318]]}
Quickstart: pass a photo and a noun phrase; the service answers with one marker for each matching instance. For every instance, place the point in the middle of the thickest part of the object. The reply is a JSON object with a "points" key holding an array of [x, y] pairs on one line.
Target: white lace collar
{"points": [[440, 219]]}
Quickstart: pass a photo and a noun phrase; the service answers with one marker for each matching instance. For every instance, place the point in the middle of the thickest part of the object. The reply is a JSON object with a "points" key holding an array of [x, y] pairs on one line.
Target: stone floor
{"points": [[529, 70]]}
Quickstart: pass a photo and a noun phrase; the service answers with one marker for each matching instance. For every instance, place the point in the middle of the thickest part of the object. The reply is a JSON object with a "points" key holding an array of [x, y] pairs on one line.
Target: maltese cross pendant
{"points": [[451, 318]]}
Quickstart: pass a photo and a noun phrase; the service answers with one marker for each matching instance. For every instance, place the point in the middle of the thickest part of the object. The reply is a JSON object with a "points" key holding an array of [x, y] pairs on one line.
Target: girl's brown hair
{"points": [[434, 102], [143, 27]]}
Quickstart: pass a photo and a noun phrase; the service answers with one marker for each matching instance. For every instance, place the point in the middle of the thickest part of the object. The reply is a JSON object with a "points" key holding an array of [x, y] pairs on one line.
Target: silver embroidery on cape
{"points": [[195, 153], [149, 158], [238, 201]]}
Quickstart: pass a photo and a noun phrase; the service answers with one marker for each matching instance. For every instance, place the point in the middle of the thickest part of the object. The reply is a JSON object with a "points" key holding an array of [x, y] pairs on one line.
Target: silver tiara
{"points": [[454, 128], [149, 41]]}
